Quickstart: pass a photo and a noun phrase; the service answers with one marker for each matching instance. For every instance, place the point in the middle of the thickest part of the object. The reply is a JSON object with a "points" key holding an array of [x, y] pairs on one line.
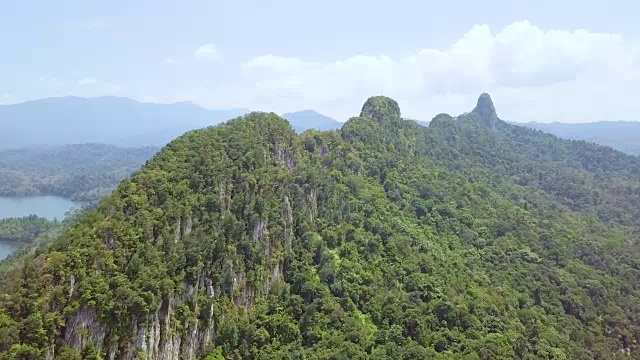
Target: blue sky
{"points": [[572, 61]]}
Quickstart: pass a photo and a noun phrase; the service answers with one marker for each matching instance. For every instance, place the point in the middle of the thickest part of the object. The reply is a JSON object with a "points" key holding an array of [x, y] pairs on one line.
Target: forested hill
{"points": [[620, 135], [469, 239], [83, 172]]}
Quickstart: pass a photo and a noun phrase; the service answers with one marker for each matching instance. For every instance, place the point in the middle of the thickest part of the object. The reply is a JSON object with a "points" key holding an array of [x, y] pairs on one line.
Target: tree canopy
{"points": [[469, 239], [84, 172]]}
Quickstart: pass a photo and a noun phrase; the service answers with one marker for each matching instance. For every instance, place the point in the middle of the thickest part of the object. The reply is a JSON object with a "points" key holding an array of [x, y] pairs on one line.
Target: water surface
{"points": [[6, 248], [49, 207]]}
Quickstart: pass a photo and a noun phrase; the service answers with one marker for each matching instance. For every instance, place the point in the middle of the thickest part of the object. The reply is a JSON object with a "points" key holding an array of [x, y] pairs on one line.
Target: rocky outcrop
{"points": [[381, 109], [166, 333], [486, 112], [84, 327], [158, 336], [284, 155]]}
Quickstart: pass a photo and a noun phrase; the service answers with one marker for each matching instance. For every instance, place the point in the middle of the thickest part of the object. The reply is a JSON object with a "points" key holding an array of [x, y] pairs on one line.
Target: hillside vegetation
{"points": [[469, 239], [620, 135], [24, 229], [30, 233]]}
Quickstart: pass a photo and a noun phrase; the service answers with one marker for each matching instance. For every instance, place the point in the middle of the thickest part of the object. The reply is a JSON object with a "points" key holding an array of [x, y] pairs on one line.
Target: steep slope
{"points": [[81, 172], [107, 119], [620, 135], [310, 119], [383, 240]]}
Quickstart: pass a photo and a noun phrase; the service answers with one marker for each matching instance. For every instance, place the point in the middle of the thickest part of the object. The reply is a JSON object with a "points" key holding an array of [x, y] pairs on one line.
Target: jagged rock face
{"points": [[380, 108], [179, 322], [486, 111]]}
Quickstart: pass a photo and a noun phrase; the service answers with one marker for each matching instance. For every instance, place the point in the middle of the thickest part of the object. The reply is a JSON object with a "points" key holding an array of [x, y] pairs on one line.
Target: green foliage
{"points": [[68, 354], [80, 172], [384, 240], [620, 135], [215, 355], [34, 234], [25, 229], [380, 108]]}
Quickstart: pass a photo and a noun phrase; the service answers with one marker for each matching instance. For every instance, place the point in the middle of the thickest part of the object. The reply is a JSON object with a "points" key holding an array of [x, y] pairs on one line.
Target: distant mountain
{"points": [[420, 122], [310, 119], [107, 119], [471, 238], [620, 135]]}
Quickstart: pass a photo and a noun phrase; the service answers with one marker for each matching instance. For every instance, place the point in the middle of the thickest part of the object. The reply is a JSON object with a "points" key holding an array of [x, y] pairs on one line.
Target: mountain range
{"points": [[310, 119], [128, 123], [118, 121], [471, 238], [108, 119]]}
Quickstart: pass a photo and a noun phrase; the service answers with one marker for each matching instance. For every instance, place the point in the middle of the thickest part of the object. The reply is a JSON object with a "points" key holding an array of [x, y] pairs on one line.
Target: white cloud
{"points": [[6, 98], [52, 83], [104, 88], [87, 81], [521, 61], [169, 60], [276, 63], [95, 87], [207, 52]]}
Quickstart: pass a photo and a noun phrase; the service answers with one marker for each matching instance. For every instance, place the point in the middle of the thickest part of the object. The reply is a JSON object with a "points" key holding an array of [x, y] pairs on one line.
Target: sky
{"points": [[543, 60]]}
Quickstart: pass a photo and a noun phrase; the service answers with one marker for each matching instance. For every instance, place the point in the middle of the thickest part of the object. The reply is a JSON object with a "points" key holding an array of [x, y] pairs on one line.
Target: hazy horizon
{"points": [[317, 111], [572, 61]]}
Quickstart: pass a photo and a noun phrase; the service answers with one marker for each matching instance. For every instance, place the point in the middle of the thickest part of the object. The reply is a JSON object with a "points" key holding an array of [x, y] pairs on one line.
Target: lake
{"points": [[6, 248], [50, 207]]}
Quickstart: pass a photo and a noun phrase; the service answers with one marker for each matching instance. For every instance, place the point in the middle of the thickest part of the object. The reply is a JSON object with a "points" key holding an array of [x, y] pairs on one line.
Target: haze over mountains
{"points": [[129, 123], [107, 119], [126, 122], [620, 135], [311, 119], [118, 121]]}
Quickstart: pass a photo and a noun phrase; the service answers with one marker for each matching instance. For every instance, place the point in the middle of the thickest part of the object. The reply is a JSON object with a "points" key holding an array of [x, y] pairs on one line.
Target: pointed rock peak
{"points": [[486, 111], [484, 101], [380, 108]]}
